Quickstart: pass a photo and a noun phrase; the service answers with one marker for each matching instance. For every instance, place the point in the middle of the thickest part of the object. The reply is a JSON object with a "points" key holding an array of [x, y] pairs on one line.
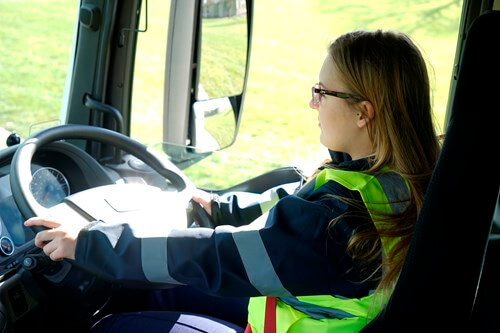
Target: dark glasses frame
{"points": [[317, 92]]}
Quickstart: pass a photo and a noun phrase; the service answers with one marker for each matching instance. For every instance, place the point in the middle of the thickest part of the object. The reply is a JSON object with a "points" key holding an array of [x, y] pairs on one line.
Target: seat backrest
{"points": [[487, 307], [438, 283]]}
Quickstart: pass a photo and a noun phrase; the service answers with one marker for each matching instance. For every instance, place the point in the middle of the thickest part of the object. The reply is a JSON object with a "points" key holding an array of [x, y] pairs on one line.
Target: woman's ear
{"points": [[365, 114]]}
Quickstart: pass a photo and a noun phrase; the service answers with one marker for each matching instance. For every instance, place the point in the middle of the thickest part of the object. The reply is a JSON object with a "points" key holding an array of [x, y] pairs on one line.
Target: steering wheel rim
{"points": [[20, 170]]}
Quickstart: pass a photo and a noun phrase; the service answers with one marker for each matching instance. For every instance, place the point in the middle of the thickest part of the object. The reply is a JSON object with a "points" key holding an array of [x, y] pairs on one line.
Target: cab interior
{"points": [[450, 277]]}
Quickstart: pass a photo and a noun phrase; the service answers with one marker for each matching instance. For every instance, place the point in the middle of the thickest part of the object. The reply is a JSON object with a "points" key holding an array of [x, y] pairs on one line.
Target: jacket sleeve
{"points": [[285, 252], [241, 208]]}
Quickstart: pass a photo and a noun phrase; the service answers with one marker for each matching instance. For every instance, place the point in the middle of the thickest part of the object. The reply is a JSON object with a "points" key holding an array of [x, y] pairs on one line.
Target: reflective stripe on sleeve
{"points": [[258, 265], [154, 260]]}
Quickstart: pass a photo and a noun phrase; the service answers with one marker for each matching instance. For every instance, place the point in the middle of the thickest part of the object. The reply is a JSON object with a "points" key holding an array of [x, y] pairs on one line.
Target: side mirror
{"points": [[208, 52]]}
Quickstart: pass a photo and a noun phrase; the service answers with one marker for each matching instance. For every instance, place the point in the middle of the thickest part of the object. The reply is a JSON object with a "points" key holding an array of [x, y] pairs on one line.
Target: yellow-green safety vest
{"points": [[384, 192]]}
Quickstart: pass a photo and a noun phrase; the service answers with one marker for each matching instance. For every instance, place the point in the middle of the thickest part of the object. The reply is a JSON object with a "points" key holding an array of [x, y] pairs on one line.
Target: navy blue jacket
{"points": [[291, 250]]}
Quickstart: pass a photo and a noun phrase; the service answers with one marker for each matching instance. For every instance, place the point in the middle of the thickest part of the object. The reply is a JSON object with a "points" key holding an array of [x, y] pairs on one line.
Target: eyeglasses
{"points": [[317, 92]]}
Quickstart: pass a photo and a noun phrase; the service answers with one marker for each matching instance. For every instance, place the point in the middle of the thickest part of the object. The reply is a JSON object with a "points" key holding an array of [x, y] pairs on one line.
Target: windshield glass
{"points": [[277, 128], [35, 40], [289, 43]]}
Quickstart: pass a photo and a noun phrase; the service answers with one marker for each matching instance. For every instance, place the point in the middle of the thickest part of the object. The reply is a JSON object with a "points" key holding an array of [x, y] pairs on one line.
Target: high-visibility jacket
{"points": [[381, 193]]}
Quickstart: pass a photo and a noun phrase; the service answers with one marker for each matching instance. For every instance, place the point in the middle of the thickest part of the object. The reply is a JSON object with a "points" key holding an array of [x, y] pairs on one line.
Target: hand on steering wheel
{"points": [[59, 241]]}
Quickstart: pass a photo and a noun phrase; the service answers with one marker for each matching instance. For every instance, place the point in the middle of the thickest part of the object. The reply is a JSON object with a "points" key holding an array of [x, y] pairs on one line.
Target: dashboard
{"points": [[58, 170]]}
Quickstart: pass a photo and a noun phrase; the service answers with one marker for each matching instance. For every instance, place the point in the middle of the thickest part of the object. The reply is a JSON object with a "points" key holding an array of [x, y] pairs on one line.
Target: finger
{"points": [[50, 247], [57, 255], [56, 252], [41, 222], [43, 237], [200, 200], [60, 249]]}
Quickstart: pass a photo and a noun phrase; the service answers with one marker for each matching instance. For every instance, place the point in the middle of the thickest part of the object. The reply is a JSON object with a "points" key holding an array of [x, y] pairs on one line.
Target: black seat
{"points": [[487, 307], [437, 287]]}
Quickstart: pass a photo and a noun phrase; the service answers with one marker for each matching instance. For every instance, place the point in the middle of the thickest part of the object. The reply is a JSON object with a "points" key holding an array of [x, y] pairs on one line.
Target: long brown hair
{"points": [[387, 69]]}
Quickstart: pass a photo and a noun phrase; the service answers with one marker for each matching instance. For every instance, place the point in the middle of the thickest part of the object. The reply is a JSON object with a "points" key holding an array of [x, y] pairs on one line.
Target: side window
{"points": [[149, 76], [289, 43], [35, 46]]}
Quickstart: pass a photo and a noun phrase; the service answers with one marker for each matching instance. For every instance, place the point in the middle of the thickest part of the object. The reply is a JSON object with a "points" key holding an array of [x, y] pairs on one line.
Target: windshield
{"points": [[277, 128], [35, 40], [289, 43]]}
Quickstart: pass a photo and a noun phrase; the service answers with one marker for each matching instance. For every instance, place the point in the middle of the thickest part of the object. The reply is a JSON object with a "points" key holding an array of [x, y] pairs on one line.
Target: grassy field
{"points": [[35, 39], [289, 44]]}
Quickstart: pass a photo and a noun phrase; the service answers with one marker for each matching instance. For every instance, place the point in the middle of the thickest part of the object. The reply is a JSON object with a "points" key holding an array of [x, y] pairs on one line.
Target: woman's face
{"points": [[338, 119]]}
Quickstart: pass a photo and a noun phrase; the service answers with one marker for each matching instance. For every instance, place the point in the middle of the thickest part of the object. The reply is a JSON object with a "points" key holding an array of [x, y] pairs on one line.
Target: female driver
{"points": [[312, 263]]}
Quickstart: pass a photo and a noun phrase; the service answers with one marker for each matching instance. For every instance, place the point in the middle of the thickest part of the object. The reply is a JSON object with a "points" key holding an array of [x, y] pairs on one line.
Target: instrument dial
{"points": [[49, 186]]}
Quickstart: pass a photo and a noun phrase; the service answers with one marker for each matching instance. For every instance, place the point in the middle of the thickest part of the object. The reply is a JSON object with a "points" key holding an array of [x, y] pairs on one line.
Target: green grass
{"points": [[35, 40], [290, 38]]}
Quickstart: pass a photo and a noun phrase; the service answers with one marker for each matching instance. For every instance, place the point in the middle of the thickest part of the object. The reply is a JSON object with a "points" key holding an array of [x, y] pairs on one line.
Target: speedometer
{"points": [[49, 186]]}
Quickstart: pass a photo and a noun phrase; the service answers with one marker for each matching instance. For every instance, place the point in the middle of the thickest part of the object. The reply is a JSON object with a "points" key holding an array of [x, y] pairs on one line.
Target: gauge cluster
{"points": [[49, 186]]}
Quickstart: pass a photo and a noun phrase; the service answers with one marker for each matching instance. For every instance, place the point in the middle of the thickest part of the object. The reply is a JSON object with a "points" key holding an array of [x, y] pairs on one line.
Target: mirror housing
{"points": [[195, 124]]}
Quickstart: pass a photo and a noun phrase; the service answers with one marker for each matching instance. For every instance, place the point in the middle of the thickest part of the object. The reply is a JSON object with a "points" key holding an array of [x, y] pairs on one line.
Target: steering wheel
{"points": [[100, 202], [156, 211]]}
